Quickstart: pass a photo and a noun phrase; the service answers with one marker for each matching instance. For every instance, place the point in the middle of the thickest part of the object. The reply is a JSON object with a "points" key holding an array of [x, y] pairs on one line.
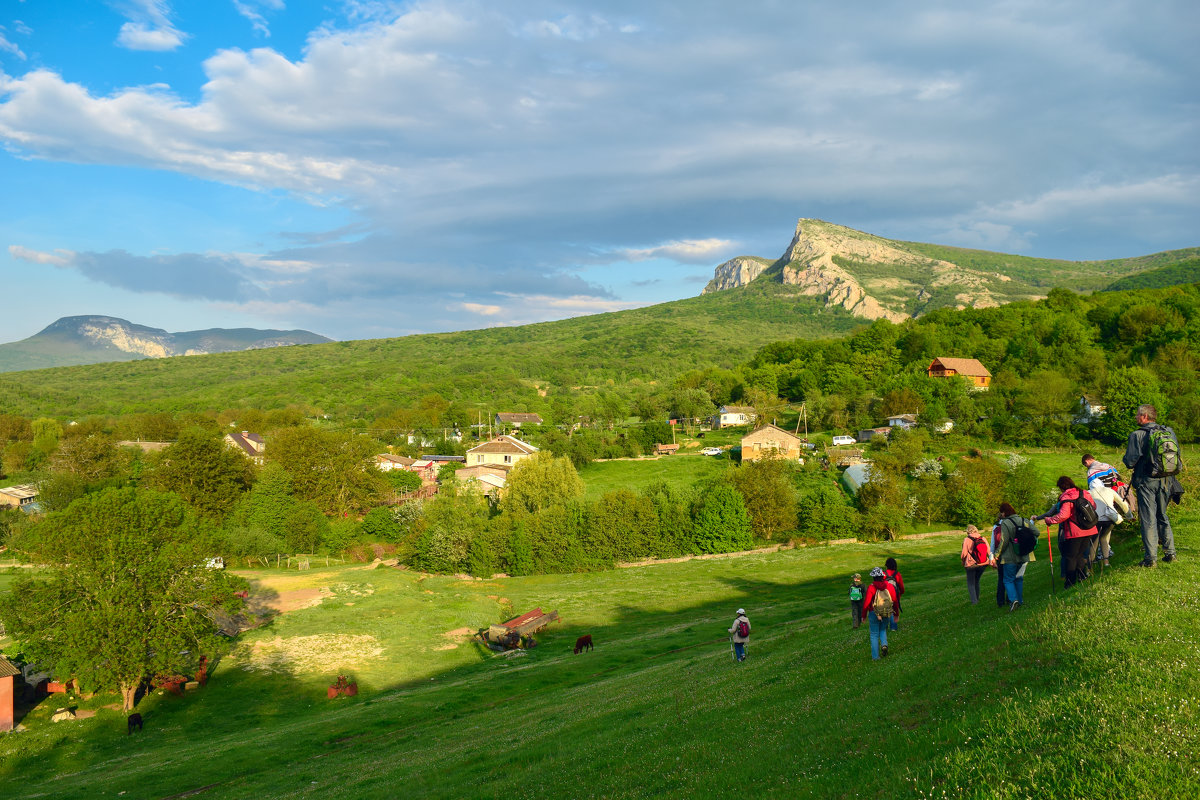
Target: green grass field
{"points": [[1085, 693]]}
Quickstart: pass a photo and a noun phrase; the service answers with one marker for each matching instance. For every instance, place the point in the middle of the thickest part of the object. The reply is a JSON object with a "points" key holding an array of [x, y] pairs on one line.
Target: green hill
{"points": [[1086, 693], [494, 364], [1170, 275]]}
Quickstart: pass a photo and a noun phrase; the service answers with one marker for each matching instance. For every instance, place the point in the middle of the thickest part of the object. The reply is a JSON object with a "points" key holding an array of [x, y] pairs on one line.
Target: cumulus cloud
{"points": [[491, 150], [149, 27]]}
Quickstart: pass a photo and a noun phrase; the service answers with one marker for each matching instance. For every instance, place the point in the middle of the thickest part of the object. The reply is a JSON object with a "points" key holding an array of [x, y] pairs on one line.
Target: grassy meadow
{"points": [[1085, 693]]}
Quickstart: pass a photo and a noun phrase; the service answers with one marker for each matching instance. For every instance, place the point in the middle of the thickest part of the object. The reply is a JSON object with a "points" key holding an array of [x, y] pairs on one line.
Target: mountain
{"points": [[877, 278], [94, 339], [1173, 275]]}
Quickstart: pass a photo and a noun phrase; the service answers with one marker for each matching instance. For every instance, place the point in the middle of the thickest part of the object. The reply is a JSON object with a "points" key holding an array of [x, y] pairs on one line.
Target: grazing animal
{"points": [[583, 643], [135, 721]]}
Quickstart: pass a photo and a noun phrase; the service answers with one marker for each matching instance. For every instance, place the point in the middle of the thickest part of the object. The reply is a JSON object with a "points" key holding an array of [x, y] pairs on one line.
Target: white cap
{"points": [[741, 611]]}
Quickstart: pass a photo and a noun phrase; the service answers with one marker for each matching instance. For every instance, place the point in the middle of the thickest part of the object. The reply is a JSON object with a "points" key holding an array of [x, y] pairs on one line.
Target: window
{"points": [[508, 459]]}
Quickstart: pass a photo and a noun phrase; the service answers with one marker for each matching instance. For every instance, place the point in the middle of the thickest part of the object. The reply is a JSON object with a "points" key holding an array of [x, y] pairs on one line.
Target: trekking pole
{"points": [[1050, 550], [732, 652]]}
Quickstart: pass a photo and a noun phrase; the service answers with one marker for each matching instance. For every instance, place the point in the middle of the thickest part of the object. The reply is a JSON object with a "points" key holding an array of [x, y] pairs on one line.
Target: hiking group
{"points": [[880, 602], [1085, 517]]}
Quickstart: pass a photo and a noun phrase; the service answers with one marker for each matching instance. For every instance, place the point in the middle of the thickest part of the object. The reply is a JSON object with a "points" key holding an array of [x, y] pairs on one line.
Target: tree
{"points": [[824, 514], [93, 457], [333, 469], [127, 593], [209, 476], [720, 521], [540, 481], [766, 486], [622, 526], [1127, 389]]}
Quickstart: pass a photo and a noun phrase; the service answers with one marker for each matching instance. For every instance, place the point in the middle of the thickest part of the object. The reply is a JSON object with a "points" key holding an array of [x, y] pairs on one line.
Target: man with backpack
{"points": [[741, 634], [1153, 455], [1018, 539], [880, 604]]}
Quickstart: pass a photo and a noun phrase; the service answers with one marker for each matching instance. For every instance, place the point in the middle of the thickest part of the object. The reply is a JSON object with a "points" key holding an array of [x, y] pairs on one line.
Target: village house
{"points": [[868, 434], [423, 467], [515, 419], [488, 478], [23, 496], [905, 421], [251, 445], [1090, 409], [727, 416], [968, 368], [769, 441], [503, 450]]}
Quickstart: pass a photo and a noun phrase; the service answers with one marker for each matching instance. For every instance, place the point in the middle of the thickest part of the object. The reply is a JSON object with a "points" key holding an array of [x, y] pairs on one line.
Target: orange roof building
{"points": [[968, 368]]}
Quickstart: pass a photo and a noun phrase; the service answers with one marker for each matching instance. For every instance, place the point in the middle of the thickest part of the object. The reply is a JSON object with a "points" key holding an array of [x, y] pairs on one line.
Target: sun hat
{"points": [[877, 572], [741, 611]]}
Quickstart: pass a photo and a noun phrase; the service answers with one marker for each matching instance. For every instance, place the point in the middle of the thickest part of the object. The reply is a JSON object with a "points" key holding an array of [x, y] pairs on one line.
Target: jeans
{"points": [[739, 650], [1014, 582], [1152, 496], [879, 629], [974, 575]]}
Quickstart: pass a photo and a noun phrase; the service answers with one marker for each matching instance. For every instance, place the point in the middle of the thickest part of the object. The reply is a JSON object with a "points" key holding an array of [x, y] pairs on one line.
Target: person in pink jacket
{"points": [[1079, 544]]}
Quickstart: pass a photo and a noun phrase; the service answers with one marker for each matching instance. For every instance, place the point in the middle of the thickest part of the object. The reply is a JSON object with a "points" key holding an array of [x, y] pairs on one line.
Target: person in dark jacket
{"points": [[1153, 494], [879, 625], [1078, 544], [1010, 561], [857, 592]]}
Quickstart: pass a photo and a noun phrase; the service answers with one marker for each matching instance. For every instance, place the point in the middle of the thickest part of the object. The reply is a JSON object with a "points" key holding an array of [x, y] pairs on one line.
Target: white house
{"points": [[732, 415], [905, 421]]}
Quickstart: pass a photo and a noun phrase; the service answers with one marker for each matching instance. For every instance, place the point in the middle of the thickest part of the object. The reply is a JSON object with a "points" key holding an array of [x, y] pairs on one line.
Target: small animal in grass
{"points": [[135, 721], [583, 643]]}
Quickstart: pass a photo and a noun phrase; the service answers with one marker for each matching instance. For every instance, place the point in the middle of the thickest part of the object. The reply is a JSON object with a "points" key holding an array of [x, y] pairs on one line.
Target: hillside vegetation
{"points": [[1171, 275], [1084, 693]]}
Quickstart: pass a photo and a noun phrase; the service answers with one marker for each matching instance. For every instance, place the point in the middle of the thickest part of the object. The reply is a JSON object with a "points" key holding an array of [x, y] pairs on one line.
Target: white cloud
{"points": [[1096, 196], [59, 258], [7, 46], [692, 250], [149, 27], [477, 308], [250, 10]]}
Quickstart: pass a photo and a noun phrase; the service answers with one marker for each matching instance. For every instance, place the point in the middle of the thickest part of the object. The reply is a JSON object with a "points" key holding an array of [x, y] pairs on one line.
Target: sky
{"points": [[367, 169]]}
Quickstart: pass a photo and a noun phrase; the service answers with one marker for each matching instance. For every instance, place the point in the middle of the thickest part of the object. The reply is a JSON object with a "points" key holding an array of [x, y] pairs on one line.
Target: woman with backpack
{"points": [[975, 560], [1009, 558], [882, 604], [891, 573], [1076, 518]]}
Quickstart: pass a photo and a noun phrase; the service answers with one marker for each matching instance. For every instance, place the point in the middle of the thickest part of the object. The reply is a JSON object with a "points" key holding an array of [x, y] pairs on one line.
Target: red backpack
{"points": [[743, 629], [980, 550]]}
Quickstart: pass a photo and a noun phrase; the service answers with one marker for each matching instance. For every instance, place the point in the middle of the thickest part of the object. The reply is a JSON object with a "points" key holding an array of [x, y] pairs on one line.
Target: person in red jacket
{"points": [[888, 604], [891, 573], [1079, 544]]}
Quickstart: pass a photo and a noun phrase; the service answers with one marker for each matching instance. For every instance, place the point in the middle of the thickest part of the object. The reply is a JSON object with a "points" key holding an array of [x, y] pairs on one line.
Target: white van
{"points": [[838, 441]]}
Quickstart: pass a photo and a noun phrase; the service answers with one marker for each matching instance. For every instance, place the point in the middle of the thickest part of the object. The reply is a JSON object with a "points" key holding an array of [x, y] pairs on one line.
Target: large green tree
{"points": [[126, 593], [766, 485], [333, 469], [540, 481], [201, 469]]}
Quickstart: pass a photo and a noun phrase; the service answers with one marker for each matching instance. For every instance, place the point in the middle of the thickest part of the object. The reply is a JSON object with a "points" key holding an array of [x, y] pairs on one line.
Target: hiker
{"points": [[882, 604], [857, 592], [741, 634], [1107, 475], [892, 573], [1107, 505], [1153, 493], [1001, 595], [1077, 542], [1009, 558], [975, 560]]}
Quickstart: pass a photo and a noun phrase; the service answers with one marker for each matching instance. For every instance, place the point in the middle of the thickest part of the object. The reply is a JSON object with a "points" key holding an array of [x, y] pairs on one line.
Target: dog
{"points": [[583, 643], [135, 721]]}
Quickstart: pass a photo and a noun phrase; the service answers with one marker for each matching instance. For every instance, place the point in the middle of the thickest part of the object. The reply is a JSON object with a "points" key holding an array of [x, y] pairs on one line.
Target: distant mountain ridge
{"points": [[877, 278], [96, 339]]}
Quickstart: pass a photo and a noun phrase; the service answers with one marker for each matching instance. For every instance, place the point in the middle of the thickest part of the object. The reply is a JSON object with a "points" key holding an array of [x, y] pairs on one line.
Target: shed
{"points": [[855, 476], [7, 713]]}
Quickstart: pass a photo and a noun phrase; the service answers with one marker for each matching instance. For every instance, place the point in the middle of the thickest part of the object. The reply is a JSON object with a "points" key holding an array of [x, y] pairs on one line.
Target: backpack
{"points": [[1164, 452], [1083, 513], [881, 604], [856, 592], [980, 551], [1025, 536], [743, 629]]}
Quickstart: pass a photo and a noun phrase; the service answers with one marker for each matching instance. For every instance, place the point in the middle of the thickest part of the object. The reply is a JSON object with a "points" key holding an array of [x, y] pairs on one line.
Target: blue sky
{"points": [[364, 168]]}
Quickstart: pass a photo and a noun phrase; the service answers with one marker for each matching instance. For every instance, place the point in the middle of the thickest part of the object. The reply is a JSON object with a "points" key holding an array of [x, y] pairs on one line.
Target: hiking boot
{"points": [[1146, 563], [883, 651], [1015, 605], [1167, 559]]}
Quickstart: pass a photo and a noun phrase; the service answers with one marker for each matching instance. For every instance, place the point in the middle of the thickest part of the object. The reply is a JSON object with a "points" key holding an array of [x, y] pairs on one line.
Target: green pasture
{"points": [[1086, 693], [679, 471]]}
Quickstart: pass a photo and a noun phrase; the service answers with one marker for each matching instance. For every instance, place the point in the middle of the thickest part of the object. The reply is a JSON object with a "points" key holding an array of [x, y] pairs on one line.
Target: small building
{"points": [[1090, 409], [490, 478], [515, 419], [504, 450], [870, 433], [771, 441], [8, 671], [22, 496], [445, 459], [727, 416], [905, 421], [386, 462], [968, 368], [251, 445], [855, 476]]}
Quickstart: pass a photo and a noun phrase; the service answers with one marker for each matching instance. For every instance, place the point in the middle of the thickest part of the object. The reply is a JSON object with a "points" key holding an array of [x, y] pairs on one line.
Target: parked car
{"points": [[711, 451]]}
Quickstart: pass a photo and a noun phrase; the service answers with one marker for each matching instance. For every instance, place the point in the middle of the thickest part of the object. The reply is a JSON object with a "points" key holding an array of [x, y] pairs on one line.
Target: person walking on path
{"points": [[1107, 475], [1001, 595], [1107, 505], [892, 573], [857, 592], [1153, 493], [1009, 559], [975, 560], [1078, 543], [882, 604], [741, 634]]}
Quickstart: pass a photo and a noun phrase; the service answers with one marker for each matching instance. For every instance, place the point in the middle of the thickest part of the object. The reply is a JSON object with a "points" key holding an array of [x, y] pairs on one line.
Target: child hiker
{"points": [[857, 592]]}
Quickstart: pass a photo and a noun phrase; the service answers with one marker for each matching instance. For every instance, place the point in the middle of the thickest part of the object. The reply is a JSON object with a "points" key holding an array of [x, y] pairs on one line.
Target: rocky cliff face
{"points": [[811, 263]]}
